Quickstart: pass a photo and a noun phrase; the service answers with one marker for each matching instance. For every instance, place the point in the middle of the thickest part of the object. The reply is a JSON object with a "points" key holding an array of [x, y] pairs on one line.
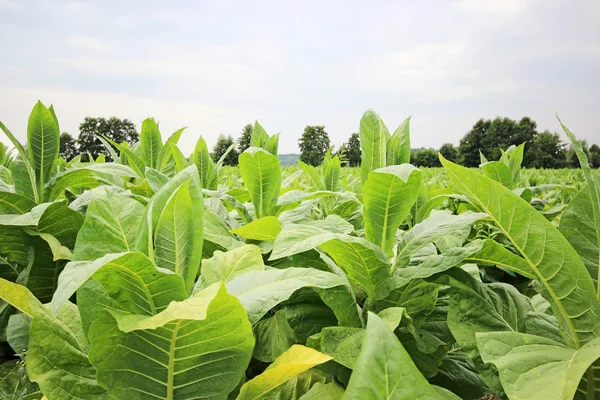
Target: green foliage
{"points": [[353, 150], [158, 276], [244, 140], [221, 148], [489, 136], [313, 144], [68, 147], [547, 151], [425, 158], [118, 130], [449, 152]]}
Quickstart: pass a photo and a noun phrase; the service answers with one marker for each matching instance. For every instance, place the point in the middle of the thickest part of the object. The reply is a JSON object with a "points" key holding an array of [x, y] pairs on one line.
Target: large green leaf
{"points": [[291, 363], [373, 137], [151, 142], [578, 227], [225, 266], [389, 194], [439, 226], [493, 253], [261, 173], [384, 370], [260, 291], [398, 145], [178, 233], [199, 347], [43, 143], [57, 356], [562, 275], [110, 226], [324, 391], [274, 336], [13, 203], [204, 163], [265, 228], [533, 367], [23, 172], [363, 262], [130, 279], [331, 175], [476, 307]]}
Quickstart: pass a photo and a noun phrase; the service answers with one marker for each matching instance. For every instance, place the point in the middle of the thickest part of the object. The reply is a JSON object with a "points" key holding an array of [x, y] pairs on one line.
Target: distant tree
{"points": [[572, 160], [119, 130], [449, 152], [244, 141], [68, 146], [313, 144], [490, 136], [595, 156], [425, 158], [353, 150], [223, 143], [547, 151]]}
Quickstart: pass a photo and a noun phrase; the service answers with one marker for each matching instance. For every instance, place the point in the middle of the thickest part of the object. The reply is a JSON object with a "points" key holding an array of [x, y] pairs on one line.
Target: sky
{"points": [[215, 66]]}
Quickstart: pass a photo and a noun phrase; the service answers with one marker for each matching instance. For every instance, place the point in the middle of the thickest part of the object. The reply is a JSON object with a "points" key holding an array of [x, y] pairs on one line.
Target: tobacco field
{"points": [[161, 276]]}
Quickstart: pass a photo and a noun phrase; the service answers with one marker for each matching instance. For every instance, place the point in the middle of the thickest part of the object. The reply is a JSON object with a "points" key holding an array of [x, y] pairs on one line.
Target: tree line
{"points": [[484, 140]]}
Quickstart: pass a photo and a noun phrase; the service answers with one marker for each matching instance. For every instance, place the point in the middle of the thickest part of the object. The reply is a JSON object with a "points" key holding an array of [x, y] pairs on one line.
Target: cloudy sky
{"points": [[216, 65]]}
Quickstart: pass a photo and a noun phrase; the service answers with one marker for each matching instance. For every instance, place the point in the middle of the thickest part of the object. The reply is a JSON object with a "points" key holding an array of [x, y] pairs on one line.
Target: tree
{"points": [[68, 146], [595, 156], [449, 152], [220, 148], [492, 136], [244, 142], [425, 158], [547, 151], [313, 144], [342, 154], [118, 130], [353, 150]]}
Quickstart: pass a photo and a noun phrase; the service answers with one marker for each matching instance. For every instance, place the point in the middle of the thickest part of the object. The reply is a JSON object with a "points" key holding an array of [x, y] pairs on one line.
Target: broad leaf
{"points": [[110, 226], [223, 267], [558, 268], [389, 194], [291, 363], [260, 291], [373, 137], [522, 359], [151, 142], [43, 143], [201, 345], [384, 368], [265, 228], [261, 173]]}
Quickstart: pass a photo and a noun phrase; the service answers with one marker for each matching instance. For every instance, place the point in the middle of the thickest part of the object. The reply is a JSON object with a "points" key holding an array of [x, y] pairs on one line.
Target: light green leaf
{"points": [[373, 137], [178, 233], [57, 360], [558, 268], [551, 371], [324, 391], [231, 264], [265, 228], [332, 174], [389, 194], [201, 345], [262, 177], [130, 279], [313, 174], [43, 142], [499, 172], [205, 164], [260, 291], [398, 146], [578, 227], [13, 203], [493, 253], [439, 225], [291, 363], [151, 142], [363, 262], [385, 370], [110, 226]]}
